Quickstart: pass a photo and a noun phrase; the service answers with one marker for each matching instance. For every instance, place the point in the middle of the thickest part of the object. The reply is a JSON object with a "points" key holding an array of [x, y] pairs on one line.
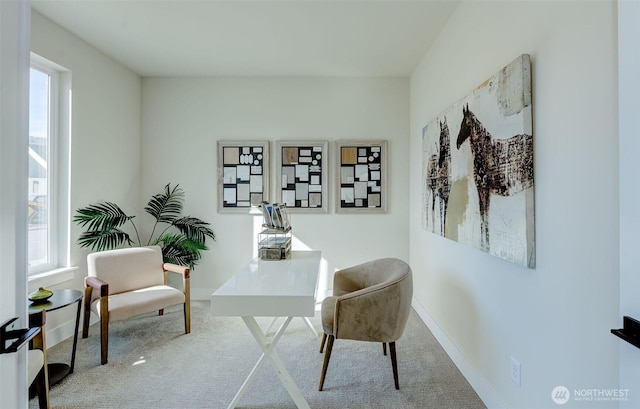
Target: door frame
{"points": [[15, 19]]}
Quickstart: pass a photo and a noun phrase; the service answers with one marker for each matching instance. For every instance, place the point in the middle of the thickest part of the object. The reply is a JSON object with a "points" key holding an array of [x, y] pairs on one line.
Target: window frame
{"points": [[58, 164]]}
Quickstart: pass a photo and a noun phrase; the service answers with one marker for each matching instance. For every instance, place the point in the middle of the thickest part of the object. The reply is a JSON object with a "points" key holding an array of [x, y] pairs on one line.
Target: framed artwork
{"points": [[243, 175], [361, 185], [302, 175], [477, 158]]}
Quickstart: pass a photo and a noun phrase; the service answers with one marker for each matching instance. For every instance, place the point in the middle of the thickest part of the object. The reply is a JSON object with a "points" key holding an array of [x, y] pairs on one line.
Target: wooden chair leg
{"points": [[39, 384], [384, 348], [187, 317], [42, 388], [394, 363], [186, 287], [85, 324], [104, 339], [104, 329], [325, 365], [87, 312], [324, 339]]}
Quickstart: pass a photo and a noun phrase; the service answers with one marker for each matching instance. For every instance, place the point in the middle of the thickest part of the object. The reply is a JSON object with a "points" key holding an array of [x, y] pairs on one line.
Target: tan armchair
{"points": [[37, 367], [128, 282], [370, 302]]}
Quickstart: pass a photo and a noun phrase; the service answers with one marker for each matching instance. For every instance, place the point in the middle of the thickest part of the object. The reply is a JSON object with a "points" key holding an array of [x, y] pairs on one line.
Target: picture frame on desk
{"points": [[243, 175]]}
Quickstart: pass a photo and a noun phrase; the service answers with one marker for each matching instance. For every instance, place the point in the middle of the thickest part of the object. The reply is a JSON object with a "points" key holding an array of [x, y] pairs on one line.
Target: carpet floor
{"points": [[153, 364]]}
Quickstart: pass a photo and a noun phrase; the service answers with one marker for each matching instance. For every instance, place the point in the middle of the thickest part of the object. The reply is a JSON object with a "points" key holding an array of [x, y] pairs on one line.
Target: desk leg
{"points": [[267, 344], [311, 327], [306, 320], [268, 331]]}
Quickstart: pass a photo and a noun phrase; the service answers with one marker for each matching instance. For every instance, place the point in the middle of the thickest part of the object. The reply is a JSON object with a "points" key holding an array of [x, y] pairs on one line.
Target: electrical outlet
{"points": [[515, 371]]}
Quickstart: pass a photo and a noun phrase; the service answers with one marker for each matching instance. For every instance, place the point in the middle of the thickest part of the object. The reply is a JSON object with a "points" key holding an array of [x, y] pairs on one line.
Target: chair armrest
{"points": [[185, 272], [174, 268], [98, 284], [369, 314], [95, 288]]}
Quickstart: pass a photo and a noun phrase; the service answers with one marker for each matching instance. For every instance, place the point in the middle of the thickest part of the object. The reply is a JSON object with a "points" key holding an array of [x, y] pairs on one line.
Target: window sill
{"points": [[51, 278]]}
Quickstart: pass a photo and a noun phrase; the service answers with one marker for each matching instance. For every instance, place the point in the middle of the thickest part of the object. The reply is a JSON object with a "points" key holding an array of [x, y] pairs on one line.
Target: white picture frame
{"points": [[243, 175], [302, 169], [361, 176]]}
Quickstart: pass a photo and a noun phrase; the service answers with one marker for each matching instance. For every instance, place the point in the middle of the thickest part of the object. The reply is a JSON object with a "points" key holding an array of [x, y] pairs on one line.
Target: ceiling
{"points": [[362, 38]]}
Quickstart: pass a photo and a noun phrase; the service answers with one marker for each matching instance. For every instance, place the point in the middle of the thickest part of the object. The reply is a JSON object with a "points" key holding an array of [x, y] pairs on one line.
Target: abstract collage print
{"points": [[360, 176], [301, 173]]}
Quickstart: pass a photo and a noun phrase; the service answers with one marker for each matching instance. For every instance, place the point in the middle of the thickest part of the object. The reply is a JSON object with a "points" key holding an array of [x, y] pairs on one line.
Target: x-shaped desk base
{"points": [[267, 343], [306, 320]]}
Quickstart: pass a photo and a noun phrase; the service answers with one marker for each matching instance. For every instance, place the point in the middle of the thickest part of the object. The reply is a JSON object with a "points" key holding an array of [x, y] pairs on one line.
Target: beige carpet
{"points": [[153, 364]]}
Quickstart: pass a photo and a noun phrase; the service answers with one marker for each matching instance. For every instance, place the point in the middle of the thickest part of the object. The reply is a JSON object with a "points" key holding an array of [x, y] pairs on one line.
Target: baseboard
{"points": [[475, 379]]}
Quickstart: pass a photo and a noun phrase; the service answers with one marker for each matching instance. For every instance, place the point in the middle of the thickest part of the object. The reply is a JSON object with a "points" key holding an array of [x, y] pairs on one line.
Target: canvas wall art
{"points": [[243, 175], [361, 176], [302, 175], [478, 168]]}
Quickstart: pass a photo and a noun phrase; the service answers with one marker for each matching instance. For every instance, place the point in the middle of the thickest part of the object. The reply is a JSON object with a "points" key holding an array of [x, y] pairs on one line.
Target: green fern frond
{"points": [[194, 228], [178, 249], [101, 217], [167, 206], [99, 240]]}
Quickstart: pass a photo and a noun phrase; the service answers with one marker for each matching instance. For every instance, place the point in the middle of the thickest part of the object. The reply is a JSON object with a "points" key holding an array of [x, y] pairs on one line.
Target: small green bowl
{"points": [[42, 295]]}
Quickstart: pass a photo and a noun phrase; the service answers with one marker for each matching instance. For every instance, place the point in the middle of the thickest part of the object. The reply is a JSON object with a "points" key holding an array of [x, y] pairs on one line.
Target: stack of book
{"points": [[274, 241], [275, 216]]}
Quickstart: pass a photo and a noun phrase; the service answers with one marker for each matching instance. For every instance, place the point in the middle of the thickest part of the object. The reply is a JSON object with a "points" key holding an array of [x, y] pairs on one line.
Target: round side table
{"points": [[61, 299]]}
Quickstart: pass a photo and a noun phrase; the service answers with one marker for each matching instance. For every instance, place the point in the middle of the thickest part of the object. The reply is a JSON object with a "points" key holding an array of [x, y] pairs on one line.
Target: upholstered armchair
{"points": [[370, 302], [128, 282], [37, 367]]}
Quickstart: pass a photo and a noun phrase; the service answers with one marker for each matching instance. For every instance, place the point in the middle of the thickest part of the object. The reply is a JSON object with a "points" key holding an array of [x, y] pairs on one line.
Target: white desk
{"points": [[285, 288]]}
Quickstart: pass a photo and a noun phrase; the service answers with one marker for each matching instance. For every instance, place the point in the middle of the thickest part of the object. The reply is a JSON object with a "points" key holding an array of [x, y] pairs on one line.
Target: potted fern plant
{"points": [[182, 238]]}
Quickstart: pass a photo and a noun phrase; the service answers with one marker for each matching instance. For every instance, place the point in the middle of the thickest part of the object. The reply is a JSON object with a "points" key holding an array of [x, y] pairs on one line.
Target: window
{"points": [[48, 180]]}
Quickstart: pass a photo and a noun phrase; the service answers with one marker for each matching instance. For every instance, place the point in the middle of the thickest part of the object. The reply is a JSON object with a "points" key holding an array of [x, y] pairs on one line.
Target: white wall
{"points": [[554, 319], [629, 106], [105, 140], [183, 118]]}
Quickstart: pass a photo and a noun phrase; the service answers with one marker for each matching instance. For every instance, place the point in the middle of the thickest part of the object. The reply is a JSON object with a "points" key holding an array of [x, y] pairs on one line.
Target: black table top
{"points": [[59, 299]]}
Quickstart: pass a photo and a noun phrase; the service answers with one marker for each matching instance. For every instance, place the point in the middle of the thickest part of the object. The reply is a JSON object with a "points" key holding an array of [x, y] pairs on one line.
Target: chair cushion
{"points": [[142, 301], [35, 362], [127, 269]]}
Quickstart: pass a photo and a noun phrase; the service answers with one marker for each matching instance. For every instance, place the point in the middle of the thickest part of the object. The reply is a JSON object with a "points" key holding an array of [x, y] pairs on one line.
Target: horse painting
{"points": [[438, 176], [501, 167]]}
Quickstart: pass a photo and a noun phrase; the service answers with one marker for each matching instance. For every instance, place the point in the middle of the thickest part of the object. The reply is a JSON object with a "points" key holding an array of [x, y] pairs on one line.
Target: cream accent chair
{"points": [[37, 367], [124, 283], [370, 302]]}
